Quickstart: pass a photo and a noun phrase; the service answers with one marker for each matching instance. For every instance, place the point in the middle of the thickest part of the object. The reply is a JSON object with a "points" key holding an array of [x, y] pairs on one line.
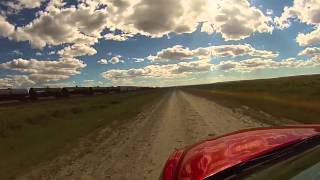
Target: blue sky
{"points": [[155, 43]]}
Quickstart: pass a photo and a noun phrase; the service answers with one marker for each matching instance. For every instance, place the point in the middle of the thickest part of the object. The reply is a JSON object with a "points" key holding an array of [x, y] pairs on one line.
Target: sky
{"points": [[59, 43]]}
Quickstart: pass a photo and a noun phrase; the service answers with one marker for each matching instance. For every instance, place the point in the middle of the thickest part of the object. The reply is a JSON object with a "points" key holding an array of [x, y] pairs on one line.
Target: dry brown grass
{"points": [[35, 132], [295, 98]]}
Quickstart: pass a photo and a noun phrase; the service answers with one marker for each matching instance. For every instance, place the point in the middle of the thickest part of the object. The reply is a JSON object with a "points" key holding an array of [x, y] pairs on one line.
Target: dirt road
{"points": [[139, 149]]}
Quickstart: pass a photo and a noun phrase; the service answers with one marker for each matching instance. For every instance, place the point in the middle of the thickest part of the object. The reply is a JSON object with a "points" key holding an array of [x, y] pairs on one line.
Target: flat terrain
{"points": [[138, 149], [296, 98], [36, 132], [130, 135]]}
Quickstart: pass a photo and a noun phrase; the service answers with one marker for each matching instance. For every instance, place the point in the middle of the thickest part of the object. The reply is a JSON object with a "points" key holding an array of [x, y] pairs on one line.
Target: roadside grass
{"points": [[296, 98], [32, 133]]}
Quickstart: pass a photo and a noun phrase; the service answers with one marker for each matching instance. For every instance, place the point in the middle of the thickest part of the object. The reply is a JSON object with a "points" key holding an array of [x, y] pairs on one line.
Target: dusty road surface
{"points": [[138, 150]]}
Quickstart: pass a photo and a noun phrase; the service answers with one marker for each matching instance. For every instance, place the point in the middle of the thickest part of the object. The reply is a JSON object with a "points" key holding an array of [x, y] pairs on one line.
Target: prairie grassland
{"points": [[31, 133], [296, 98]]}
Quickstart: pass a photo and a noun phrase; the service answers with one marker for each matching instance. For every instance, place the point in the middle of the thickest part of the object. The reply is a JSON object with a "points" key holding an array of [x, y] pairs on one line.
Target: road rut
{"points": [[139, 149]]}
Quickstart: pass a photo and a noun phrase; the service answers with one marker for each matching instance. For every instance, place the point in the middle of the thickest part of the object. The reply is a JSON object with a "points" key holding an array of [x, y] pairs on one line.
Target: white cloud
{"points": [[312, 51], [234, 19], [246, 65], [118, 37], [15, 81], [17, 52], [160, 71], [77, 50], [103, 61], [6, 29], [56, 26], [254, 64], [116, 60], [138, 60], [306, 11], [269, 12], [179, 53], [46, 71], [52, 53], [185, 69], [312, 38], [84, 23], [91, 83], [18, 5]]}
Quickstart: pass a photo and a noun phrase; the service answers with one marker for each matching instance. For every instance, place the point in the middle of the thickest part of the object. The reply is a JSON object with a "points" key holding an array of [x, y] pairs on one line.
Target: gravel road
{"points": [[138, 150]]}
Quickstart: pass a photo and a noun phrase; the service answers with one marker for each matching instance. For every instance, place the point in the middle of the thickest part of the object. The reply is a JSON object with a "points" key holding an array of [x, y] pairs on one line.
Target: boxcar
{"points": [[70, 91], [100, 90], [114, 89], [13, 94], [46, 92], [128, 88]]}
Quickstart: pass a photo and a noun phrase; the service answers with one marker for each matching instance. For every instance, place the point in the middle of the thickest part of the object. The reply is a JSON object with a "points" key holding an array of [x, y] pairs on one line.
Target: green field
{"points": [[296, 98], [31, 133]]}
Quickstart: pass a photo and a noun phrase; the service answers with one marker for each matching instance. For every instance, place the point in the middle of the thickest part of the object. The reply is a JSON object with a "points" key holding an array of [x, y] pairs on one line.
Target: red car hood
{"points": [[212, 156]]}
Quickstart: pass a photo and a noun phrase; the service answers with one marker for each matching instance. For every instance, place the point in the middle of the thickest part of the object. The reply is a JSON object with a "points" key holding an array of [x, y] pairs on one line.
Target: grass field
{"points": [[296, 98], [31, 133]]}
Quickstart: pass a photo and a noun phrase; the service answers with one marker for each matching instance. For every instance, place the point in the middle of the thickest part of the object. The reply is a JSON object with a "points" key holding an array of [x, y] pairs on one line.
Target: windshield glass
{"points": [[301, 167]]}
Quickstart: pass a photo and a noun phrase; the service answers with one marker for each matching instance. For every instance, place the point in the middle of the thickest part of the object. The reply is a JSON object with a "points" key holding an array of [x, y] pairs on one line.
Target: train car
{"points": [[114, 89], [14, 94], [128, 88], [36, 93], [100, 90], [71, 91]]}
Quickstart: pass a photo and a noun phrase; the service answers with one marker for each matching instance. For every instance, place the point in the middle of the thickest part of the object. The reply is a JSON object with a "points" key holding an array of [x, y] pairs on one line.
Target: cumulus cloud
{"points": [[51, 52], [234, 19], [254, 64], [116, 60], [306, 11], [179, 53], [77, 50], [18, 5], [159, 71], [6, 29], [246, 65], [138, 60], [118, 37], [312, 38], [16, 81], [46, 71], [91, 83], [184, 69], [103, 61], [84, 23], [269, 12], [312, 51], [81, 24], [17, 52]]}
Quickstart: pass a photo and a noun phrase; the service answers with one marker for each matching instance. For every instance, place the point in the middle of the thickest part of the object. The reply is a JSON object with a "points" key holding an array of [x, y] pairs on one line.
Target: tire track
{"points": [[139, 149]]}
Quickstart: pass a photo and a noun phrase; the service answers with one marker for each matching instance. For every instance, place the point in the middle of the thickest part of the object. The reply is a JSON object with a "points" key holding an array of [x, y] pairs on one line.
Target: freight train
{"points": [[36, 93], [14, 94]]}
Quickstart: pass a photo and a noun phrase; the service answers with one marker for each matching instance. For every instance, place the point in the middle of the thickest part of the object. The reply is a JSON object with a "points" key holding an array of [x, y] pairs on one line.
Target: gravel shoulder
{"points": [[139, 149]]}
